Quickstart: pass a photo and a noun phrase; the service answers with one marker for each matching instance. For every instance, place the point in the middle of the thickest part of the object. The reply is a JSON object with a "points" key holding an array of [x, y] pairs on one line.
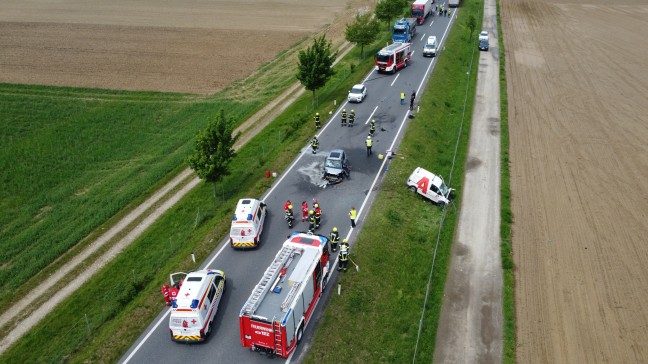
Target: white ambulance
{"points": [[247, 223], [194, 308], [430, 186]]}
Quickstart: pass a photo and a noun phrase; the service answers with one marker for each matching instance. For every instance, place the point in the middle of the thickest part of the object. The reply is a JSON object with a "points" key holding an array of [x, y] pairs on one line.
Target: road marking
{"points": [[422, 37], [413, 52], [392, 84], [147, 336], [432, 22], [372, 113]]}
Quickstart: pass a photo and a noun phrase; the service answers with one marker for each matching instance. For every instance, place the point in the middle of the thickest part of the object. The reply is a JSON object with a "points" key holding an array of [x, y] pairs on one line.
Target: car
{"points": [[357, 93], [430, 186], [483, 40], [336, 166]]}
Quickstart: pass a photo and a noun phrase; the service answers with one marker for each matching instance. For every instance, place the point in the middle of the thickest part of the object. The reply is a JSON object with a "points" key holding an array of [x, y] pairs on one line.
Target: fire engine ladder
{"points": [[290, 296], [268, 277], [276, 328]]}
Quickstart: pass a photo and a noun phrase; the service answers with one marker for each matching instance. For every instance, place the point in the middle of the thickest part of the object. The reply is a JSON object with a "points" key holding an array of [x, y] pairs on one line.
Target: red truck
{"points": [[393, 57], [274, 317], [421, 9]]}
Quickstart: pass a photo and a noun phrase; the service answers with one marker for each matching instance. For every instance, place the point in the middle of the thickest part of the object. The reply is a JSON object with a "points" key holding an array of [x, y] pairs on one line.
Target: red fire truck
{"points": [[393, 57], [275, 315]]}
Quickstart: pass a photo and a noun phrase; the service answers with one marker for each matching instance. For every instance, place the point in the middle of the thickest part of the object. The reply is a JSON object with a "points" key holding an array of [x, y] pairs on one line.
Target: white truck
{"points": [[430, 47], [429, 186]]}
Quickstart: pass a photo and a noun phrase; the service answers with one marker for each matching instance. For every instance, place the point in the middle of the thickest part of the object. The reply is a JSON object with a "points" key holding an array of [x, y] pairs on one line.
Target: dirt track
{"points": [[577, 86], [196, 46]]}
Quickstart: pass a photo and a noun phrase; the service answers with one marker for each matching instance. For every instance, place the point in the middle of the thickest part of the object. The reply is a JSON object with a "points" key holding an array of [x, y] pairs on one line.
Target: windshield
{"points": [[429, 46], [381, 58], [356, 90], [443, 189], [417, 12], [334, 163], [399, 31]]}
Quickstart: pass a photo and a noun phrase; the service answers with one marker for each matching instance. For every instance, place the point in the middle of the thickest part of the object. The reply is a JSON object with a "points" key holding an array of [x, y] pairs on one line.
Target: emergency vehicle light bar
{"points": [[175, 303], [194, 304]]}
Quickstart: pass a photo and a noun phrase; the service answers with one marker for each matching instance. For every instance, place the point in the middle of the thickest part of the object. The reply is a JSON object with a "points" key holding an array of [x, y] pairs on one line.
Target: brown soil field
{"points": [[577, 84], [192, 46]]}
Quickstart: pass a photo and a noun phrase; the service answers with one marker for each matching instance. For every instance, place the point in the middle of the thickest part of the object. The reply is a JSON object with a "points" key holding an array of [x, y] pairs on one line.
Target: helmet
{"points": [[335, 230], [316, 205], [344, 110], [373, 121], [368, 136], [317, 113], [345, 241], [352, 110], [311, 212], [290, 207]]}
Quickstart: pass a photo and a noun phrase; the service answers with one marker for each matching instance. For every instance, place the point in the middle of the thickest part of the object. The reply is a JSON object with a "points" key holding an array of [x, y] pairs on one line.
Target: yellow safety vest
{"points": [[368, 142], [353, 214]]}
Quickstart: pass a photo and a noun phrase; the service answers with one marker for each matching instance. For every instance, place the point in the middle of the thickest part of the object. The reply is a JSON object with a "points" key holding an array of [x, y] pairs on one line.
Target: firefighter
{"points": [[317, 120], [314, 144], [412, 98], [334, 236], [372, 127], [344, 116], [344, 256], [289, 216], [353, 214], [351, 118], [304, 211], [311, 221], [368, 142], [318, 215]]}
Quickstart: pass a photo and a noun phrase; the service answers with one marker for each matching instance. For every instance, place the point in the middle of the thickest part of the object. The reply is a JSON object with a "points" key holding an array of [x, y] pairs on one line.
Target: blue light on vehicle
{"points": [[249, 216], [234, 218], [174, 304], [194, 304]]}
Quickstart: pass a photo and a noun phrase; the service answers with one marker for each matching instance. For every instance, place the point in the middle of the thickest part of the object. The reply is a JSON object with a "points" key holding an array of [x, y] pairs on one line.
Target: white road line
{"points": [[423, 36], [432, 22], [372, 113], [147, 336], [413, 52], [392, 84]]}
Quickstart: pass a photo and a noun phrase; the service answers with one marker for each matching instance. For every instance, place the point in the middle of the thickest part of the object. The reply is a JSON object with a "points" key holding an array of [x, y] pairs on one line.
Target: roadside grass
{"points": [[508, 299], [100, 321], [376, 317]]}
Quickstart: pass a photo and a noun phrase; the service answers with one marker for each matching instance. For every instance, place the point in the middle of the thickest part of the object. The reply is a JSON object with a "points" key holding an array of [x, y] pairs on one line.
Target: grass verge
{"points": [[376, 318], [100, 321], [508, 299]]}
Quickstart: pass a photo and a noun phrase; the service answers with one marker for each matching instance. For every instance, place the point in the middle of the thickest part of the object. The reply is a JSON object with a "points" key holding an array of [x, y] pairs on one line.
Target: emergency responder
{"points": [[289, 216], [315, 144], [311, 221], [317, 120], [449, 12], [402, 98], [351, 118], [304, 211], [334, 236], [372, 127], [288, 203], [412, 98], [344, 116], [318, 215], [344, 256], [166, 289], [369, 143], [352, 215]]}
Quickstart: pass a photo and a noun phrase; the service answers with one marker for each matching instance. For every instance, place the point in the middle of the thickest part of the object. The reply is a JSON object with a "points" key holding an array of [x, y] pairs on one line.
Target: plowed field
{"points": [[577, 85]]}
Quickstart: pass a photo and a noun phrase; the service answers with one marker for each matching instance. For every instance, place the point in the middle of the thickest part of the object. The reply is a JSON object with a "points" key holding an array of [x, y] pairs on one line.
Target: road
{"points": [[302, 182]]}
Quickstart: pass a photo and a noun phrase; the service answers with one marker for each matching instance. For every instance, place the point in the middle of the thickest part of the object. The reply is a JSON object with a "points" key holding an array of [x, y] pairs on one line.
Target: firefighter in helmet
{"points": [[372, 127], [344, 256], [317, 120], [311, 221], [315, 144], [351, 118], [334, 236], [289, 216], [318, 215], [344, 117]]}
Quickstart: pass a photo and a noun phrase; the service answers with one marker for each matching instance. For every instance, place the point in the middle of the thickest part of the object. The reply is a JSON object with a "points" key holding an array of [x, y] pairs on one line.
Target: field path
{"points": [[470, 327], [23, 320]]}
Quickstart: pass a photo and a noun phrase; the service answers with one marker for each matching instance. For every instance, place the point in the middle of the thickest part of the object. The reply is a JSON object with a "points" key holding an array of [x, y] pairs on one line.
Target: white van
{"points": [[194, 308], [430, 48], [247, 223], [430, 186]]}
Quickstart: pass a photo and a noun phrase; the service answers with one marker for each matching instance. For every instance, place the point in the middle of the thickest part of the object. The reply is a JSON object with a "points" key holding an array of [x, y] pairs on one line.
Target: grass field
{"points": [[376, 318], [96, 323]]}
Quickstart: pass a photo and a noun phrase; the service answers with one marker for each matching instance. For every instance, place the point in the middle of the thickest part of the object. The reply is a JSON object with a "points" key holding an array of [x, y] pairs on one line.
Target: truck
{"points": [[404, 30], [393, 57], [453, 3], [281, 305], [430, 47], [421, 9]]}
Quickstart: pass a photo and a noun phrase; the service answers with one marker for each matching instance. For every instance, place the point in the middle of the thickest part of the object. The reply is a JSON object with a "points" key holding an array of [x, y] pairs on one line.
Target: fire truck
{"points": [[393, 57], [275, 315]]}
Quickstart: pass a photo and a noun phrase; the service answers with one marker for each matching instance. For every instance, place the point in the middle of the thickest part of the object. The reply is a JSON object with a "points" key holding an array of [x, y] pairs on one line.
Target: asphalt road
{"points": [[302, 182]]}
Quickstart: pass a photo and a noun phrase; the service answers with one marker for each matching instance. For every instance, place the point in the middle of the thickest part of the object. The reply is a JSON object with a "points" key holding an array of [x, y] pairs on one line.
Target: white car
{"points": [[430, 186], [357, 93]]}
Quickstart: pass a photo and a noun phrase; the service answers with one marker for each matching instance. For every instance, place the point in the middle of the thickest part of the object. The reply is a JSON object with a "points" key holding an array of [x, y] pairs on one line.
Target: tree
{"points": [[316, 65], [363, 31], [214, 150], [471, 23], [386, 10]]}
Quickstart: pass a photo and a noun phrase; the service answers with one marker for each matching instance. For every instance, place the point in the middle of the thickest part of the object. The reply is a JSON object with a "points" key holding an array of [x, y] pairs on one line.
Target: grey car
{"points": [[336, 166]]}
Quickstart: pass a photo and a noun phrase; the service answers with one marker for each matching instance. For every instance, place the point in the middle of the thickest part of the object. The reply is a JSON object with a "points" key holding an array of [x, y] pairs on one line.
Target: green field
{"points": [[376, 318], [96, 324]]}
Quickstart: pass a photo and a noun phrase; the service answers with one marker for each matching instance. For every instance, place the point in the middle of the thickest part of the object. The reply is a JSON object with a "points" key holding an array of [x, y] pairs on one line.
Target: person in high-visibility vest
{"points": [[318, 215], [314, 144], [317, 121], [288, 203], [351, 118], [289, 216], [352, 215], [368, 143], [304, 211], [311, 221], [402, 98], [334, 236], [165, 292], [372, 127], [344, 256], [344, 117]]}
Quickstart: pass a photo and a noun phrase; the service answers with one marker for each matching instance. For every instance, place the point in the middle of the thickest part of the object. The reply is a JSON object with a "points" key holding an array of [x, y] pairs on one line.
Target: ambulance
{"points": [[430, 186], [194, 308], [247, 223]]}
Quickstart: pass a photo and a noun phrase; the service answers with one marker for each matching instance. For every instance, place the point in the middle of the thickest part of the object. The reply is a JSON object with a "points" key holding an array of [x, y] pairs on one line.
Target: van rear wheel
{"points": [[412, 188]]}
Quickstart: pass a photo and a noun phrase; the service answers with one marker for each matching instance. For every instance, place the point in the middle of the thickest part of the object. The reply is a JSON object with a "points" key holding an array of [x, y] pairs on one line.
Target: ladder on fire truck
{"points": [[293, 291], [278, 344], [268, 277]]}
